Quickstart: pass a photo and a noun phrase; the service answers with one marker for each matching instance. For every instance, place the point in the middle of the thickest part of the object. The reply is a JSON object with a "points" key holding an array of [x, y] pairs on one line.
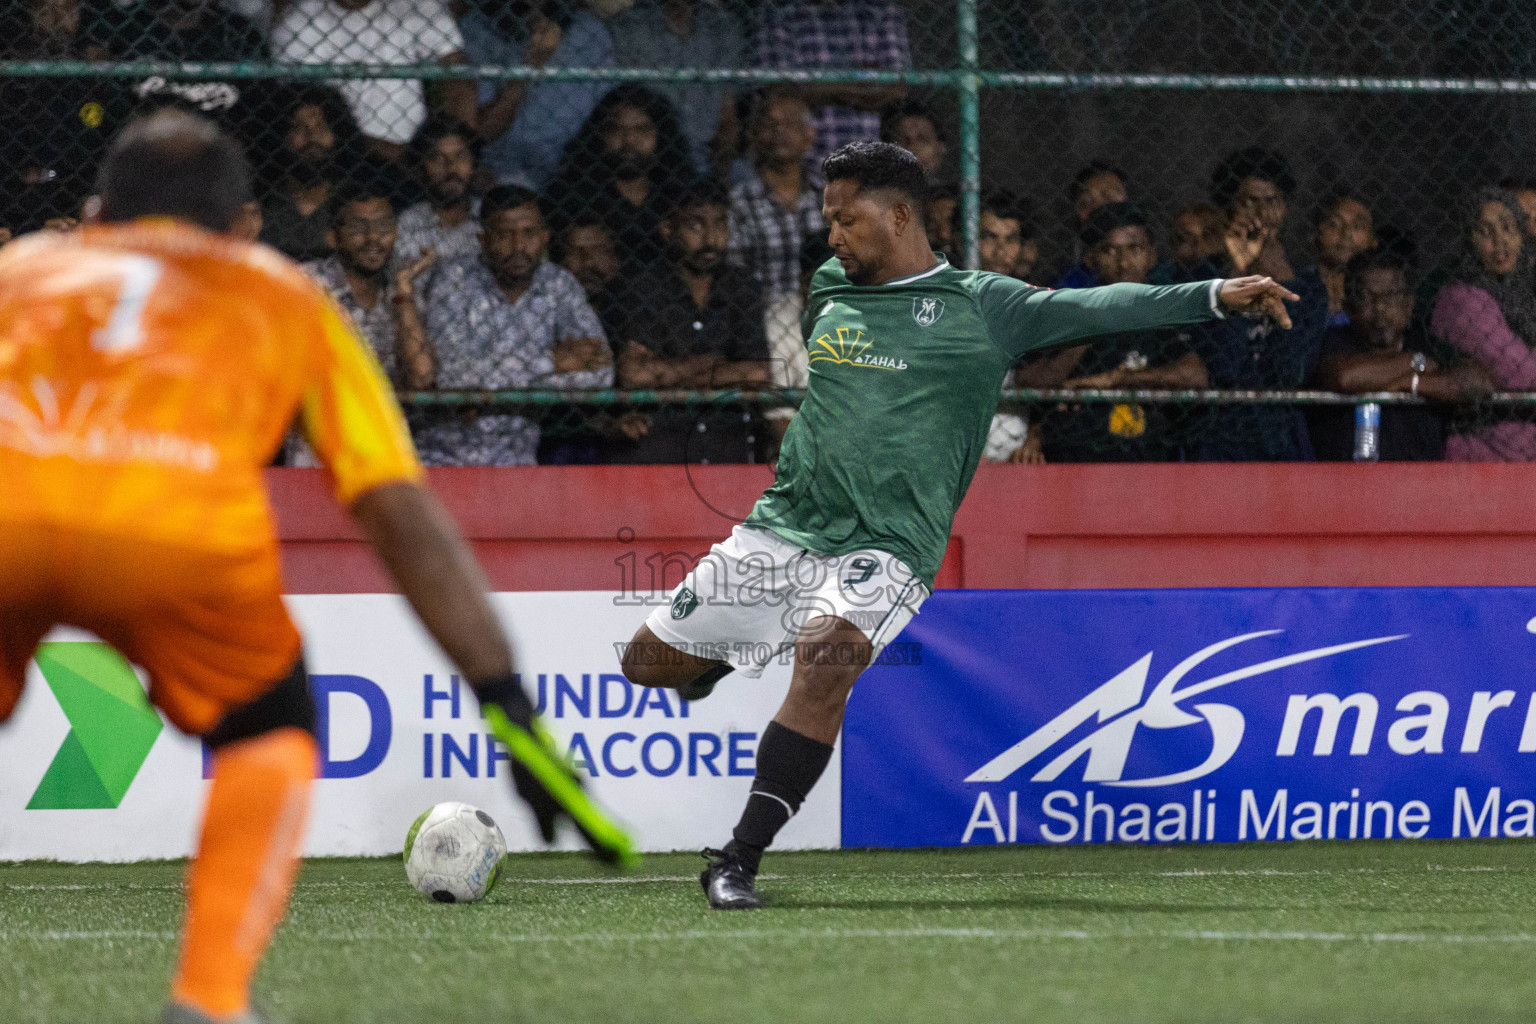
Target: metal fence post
{"points": [[969, 85]]}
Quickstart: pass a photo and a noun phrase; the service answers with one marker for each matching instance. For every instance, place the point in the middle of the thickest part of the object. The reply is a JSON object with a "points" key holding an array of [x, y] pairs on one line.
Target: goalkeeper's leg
{"points": [[264, 761]]}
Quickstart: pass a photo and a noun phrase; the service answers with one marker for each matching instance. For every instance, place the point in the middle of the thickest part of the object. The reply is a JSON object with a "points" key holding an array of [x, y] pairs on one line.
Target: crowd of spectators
{"points": [[570, 235]]}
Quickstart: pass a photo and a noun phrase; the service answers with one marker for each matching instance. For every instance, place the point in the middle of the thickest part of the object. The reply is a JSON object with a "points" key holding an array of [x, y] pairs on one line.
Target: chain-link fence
{"points": [[623, 194]]}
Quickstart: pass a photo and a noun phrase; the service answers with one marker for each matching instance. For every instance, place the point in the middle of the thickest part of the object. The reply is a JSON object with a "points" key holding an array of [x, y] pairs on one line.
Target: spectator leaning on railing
{"points": [[380, 300], [507, 319], [1252, 352], [1342, 228], [585, 248], [443, 155], [1488, 312], [693, 321], [1381, 349], [1117, 241]]}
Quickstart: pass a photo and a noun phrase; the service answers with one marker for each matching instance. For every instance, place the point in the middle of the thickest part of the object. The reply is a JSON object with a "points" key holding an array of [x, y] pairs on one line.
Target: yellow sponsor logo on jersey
{"points": [[846, 346]]}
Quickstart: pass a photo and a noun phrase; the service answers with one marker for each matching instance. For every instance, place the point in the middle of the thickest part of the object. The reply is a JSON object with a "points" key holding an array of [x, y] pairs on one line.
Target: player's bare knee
{"points": [[650, 662], [637, 669], [289, 704]]}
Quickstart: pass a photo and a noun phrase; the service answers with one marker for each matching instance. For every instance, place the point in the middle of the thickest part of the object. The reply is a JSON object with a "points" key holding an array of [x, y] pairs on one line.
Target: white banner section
{"points": [[86, 776]]}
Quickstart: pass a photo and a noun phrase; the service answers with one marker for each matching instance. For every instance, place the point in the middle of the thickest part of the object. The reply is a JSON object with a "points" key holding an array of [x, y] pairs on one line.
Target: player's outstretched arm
{"points": [[1258, 295], [438, 574], [1022, 318]]}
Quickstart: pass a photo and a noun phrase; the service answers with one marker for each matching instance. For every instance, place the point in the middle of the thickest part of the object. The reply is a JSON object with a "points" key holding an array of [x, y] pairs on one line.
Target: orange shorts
{"points": [[211, 629]]}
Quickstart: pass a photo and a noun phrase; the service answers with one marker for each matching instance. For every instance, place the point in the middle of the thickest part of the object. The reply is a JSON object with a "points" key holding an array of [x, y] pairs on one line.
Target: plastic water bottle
{"points": [[1368, 432]]}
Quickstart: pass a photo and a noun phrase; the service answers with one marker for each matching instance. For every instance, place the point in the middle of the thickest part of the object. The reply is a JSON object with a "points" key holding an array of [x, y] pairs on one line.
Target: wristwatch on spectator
{"points": [[1418, 364]]}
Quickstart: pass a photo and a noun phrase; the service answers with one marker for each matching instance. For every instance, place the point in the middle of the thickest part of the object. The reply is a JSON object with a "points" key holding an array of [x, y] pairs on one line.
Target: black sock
{"points": [[788, 765]]}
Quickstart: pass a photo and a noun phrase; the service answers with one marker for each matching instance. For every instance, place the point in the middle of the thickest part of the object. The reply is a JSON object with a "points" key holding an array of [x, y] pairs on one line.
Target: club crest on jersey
{"points": [[684, 603], [927, 311]]}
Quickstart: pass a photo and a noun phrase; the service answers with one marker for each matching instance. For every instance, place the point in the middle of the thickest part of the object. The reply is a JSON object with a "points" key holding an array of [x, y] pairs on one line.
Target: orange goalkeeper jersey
{"points": [[150, 370]]}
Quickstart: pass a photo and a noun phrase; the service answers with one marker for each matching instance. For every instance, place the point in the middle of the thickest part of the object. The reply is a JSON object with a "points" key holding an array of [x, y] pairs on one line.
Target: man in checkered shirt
{"points": [[507, 319], [772, 211], [821, 34]]}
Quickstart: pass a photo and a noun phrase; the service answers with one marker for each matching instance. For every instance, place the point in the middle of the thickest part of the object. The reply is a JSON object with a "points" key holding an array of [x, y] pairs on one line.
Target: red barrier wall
{"points": [[1169, 525]]}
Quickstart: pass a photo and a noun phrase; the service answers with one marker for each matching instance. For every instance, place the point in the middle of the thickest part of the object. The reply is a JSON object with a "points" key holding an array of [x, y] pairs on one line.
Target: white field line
{"points": [[801, 934], [816, 876]]}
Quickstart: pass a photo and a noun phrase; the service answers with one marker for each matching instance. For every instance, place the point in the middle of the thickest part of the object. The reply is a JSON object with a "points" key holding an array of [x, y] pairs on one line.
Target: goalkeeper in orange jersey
{"points": [[149, 368]]}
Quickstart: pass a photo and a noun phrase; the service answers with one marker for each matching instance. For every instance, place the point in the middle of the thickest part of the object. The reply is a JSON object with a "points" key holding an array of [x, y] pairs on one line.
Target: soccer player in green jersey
{"points": [[906, 356]]}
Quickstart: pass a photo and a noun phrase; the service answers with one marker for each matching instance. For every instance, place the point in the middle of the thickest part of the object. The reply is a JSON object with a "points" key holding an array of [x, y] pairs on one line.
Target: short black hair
{"points": [[1518, 184], [1380, 258], [1253, 162], [705, 191], [327, 99], [894, 114], [509, 197], [174, 164], [437, 127], [1111, 217], [588, 218], [1335, 199], [1006, 204], [1087, 173], [358, 190], [879, 167]]}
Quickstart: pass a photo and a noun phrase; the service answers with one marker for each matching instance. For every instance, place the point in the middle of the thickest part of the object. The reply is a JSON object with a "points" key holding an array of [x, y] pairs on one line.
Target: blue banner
{"points": [[1198, 716]]}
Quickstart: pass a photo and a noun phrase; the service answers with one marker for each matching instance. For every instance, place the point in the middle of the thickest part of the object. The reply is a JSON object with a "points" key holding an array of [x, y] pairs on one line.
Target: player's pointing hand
{"points": [[1258, 295]]}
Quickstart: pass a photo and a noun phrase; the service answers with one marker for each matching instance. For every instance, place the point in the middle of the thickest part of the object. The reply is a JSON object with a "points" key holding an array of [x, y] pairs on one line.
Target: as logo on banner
{"points": [[111, 727], [1118, 704]]}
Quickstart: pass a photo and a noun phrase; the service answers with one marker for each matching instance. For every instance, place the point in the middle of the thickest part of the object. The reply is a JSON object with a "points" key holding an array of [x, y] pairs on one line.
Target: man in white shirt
{"points": [[379, 32]]}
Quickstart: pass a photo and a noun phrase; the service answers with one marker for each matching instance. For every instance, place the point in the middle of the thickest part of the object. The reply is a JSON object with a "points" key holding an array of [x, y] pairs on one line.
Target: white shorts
{"points": [[747, 600]]}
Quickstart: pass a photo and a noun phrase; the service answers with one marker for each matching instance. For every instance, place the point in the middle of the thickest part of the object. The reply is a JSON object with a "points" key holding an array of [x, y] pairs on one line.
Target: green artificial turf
{"points": [[1298, 932]]}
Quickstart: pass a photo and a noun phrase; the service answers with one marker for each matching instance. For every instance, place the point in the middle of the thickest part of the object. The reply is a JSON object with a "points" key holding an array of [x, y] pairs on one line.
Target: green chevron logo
{"points": [[112, 727]]}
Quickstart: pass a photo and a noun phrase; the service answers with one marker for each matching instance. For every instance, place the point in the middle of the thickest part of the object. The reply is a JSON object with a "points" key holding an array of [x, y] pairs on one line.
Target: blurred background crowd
{"points": [[493, 233]]}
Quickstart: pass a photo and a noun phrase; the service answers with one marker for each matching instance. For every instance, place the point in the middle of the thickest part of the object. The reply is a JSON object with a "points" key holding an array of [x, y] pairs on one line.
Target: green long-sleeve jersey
{"points": [[904, 382]]}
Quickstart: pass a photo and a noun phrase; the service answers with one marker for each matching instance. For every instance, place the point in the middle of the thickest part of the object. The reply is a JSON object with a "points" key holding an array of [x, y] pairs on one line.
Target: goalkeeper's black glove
{"points": [[544, 779]]}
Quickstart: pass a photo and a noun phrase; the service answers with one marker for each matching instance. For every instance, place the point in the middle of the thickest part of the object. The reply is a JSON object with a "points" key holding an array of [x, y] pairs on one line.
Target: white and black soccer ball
{"points": [[454, 853]]}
